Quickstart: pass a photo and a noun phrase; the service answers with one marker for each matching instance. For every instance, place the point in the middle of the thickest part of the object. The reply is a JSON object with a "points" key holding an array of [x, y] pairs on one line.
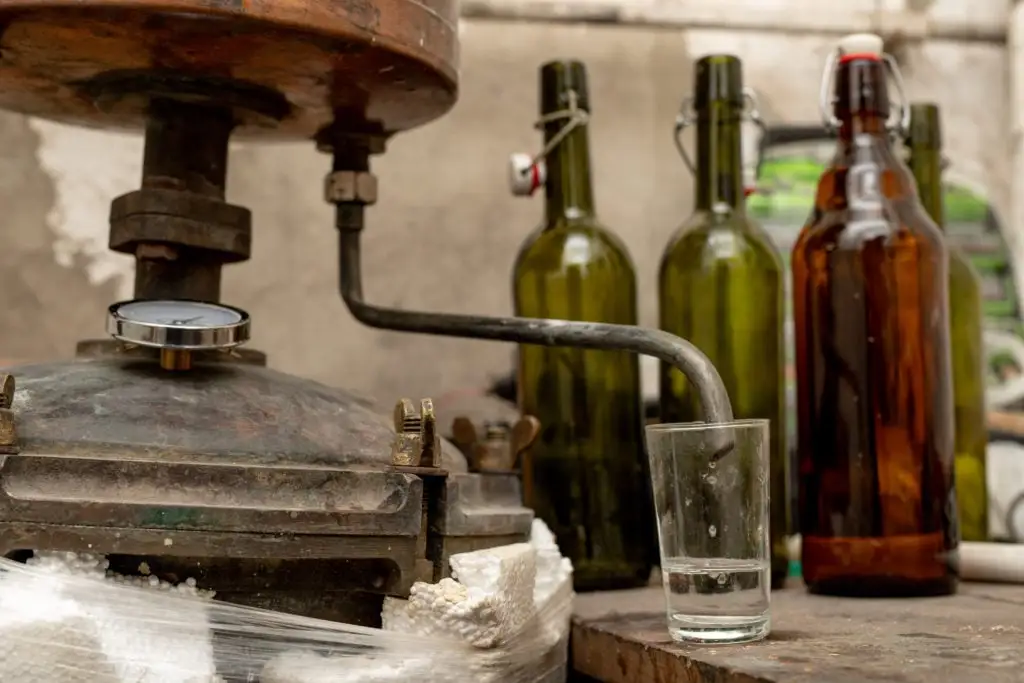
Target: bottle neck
{"points": [[567, 190], [862, 103], [926, 165], [719, 182]]}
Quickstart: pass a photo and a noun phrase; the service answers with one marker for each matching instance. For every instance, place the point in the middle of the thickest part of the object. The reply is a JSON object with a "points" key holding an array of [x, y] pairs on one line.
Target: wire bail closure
{"points": [[900, 122], [687, 116], [527, 173], [574, 117]]}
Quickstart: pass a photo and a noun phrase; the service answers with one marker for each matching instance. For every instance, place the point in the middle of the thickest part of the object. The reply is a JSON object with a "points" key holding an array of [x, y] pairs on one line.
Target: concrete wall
{"points": [[446, 230]]}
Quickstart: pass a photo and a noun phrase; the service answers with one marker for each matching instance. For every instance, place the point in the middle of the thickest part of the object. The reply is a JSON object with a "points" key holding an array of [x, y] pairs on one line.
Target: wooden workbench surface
{"points": [[976, 636]]}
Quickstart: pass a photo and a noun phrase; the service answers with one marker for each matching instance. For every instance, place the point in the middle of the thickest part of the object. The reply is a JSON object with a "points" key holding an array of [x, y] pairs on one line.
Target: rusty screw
{"points": [[417, 442]]}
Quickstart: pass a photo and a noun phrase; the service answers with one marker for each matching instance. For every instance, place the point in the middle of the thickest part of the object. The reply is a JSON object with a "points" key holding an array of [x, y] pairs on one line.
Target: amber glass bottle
{"points": [[721, 286], [588, 468], [874, 392], [924, 147]]}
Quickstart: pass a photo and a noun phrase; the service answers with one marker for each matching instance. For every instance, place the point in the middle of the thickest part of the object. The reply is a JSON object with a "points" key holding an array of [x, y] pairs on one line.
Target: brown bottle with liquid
{"points": [[878, 511]]}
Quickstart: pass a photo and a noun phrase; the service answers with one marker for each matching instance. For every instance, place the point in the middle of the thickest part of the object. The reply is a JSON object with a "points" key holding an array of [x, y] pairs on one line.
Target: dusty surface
{"points": [[976, 635]]}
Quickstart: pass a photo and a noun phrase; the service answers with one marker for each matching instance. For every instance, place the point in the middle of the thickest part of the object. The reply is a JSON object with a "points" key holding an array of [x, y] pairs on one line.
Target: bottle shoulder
{"points": [[893, 213], [962, 273], [580, 242], [706, 238]]}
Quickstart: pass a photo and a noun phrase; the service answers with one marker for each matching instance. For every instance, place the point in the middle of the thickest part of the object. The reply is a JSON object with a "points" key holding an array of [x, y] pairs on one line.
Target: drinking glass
{"points": [[710, 484]]}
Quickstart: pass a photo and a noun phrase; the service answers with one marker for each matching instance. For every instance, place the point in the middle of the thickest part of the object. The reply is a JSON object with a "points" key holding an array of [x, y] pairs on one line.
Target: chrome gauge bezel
{"points": [[178, 336]]}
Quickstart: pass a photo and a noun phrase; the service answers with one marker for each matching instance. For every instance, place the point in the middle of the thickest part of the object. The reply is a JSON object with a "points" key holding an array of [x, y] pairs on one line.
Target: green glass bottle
{"points": [[924, 148], [721, 286], [588, 469]]}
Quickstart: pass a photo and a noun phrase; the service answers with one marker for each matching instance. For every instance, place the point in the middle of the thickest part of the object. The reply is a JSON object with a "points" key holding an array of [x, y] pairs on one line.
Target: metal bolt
{"points": [[417, 443]]}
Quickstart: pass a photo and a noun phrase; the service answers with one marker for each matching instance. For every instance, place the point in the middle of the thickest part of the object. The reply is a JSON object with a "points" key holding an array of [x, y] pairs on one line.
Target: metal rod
{"points": [[662, 345], [187, 147]]}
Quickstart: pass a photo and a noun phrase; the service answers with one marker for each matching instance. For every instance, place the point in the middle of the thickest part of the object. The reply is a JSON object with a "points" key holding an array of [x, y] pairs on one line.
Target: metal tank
{"points": [[170, 445]]}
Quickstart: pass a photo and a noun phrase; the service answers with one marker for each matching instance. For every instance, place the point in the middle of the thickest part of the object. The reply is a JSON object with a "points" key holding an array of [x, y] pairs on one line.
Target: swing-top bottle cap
{"points": [[524, 176], [861, 44]]}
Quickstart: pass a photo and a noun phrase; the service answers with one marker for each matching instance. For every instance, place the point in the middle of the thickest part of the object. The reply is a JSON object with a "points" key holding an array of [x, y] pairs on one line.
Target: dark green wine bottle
{"points": [[924, 147], [589, 470], [721, 287]]}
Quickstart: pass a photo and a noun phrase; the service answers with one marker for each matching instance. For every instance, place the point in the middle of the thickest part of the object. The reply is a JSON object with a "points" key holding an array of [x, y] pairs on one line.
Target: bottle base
{"points": [[880, 567], [882, 587]]}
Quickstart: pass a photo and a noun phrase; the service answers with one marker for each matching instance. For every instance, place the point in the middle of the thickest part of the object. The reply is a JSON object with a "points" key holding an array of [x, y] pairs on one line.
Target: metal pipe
{"points": [[186, 150], [662, 345]]}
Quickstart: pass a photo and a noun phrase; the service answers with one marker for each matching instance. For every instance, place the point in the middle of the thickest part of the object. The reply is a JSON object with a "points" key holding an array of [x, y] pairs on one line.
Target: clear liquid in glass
{"points": [[717, 600]]}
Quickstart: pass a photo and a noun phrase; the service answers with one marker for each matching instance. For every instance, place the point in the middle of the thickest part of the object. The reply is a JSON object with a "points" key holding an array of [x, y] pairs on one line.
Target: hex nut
{"points": [[350, 186]]}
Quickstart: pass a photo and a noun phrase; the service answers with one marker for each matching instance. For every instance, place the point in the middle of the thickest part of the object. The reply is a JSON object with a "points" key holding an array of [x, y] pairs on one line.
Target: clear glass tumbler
{"points": [[710, 484]]}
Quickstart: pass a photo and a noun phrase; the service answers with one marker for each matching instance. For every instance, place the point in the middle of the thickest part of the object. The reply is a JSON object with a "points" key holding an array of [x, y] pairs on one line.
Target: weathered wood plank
{"points": [[976, 636]]}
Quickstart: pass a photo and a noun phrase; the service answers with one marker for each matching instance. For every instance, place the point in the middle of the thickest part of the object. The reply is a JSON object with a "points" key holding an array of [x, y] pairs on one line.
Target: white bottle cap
{"points": [[524, 176], [861, 44]]}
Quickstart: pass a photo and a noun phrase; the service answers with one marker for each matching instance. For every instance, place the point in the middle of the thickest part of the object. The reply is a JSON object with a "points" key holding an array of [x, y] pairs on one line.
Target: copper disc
{"points": [[298, 65]]}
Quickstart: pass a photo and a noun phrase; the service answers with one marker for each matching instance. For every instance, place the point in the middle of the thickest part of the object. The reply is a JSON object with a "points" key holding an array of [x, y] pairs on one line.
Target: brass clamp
{"points": [[526, 172], [687, 116], [8, 428], [417, 443], [497, 447]]}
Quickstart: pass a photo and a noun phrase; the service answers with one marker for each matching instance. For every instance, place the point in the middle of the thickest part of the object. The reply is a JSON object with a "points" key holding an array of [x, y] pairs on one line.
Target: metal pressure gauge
{"points": [[178, 328]]}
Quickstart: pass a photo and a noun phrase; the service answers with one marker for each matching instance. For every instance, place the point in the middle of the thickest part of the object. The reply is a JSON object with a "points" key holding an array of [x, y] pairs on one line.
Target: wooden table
{"points": [[976, 636]]}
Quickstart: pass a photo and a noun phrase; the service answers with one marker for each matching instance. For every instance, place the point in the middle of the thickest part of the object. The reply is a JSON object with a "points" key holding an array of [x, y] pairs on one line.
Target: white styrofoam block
{"points": [[45, 637], [553, 570], [119, 637], [500, 600], [487, 600], [311, 667]]}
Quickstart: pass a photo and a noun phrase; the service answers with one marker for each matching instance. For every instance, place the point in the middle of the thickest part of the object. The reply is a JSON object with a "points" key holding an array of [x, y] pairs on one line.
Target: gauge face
{"points": [[179, 313], [170, 324]]}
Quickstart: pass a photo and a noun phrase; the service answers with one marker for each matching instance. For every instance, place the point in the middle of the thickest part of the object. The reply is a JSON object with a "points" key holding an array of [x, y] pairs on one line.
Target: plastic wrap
{"points": [[65, 619]]}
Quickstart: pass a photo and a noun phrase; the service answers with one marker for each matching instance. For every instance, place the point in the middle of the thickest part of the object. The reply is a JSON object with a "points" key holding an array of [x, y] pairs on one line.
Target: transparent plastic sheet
{"points": [[58, 626]]}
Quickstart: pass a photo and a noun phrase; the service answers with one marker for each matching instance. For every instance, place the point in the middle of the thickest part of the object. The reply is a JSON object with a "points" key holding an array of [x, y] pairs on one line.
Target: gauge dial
{"points": [[172, 324]]}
